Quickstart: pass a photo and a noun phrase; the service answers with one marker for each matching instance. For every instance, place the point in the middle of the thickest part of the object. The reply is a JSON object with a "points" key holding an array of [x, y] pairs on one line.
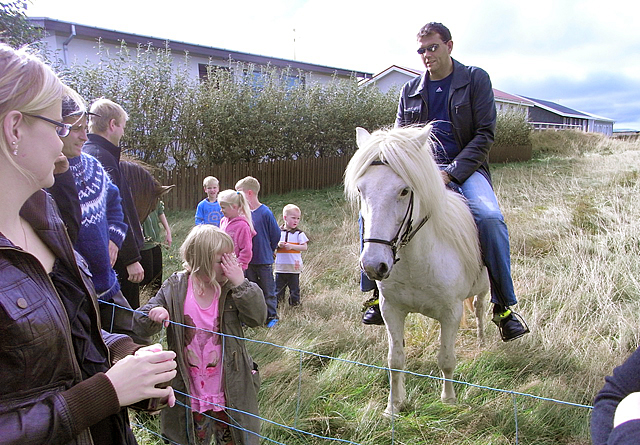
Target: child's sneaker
{"points": [[271, 323]]}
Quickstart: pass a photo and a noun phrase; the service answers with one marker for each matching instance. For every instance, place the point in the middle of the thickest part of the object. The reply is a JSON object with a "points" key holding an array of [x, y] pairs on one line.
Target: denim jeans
{"points": [[494, 237], [262, 275], [292, 281]]}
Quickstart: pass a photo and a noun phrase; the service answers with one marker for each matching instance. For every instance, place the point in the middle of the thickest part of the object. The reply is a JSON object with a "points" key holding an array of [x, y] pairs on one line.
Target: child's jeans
{"points": [[262, 275], [291, 280]]}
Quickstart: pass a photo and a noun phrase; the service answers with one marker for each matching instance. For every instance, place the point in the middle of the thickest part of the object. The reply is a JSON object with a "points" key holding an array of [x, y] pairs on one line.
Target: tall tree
{"points": [[15, 29]]}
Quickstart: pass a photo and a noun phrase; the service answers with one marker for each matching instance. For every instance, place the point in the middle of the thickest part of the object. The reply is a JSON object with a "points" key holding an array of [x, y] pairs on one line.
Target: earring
{"points": [[15, 148]]}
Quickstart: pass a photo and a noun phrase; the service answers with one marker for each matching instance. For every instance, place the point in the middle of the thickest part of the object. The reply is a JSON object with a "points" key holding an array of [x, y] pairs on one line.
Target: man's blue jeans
{"points": [[262, 275], [494, 237]]}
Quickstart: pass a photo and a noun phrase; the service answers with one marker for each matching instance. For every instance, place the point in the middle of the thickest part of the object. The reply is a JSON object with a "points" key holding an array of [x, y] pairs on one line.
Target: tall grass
{"points": [[575, 240]]}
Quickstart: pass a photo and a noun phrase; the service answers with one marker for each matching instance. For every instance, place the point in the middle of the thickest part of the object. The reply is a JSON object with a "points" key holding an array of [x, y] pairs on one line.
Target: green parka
{"points": [[242, 304]]}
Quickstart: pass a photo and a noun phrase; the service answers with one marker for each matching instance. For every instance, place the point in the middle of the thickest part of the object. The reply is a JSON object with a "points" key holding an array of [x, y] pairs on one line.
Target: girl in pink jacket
{"points": [[237, 223]]}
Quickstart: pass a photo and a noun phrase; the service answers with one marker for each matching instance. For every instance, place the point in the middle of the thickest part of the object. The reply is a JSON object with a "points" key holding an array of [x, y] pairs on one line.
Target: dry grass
{"points": [[575, 238]]}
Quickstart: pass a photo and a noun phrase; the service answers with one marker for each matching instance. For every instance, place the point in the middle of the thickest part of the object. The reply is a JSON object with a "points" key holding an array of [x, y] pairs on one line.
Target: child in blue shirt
{"points": [[209, 211]]}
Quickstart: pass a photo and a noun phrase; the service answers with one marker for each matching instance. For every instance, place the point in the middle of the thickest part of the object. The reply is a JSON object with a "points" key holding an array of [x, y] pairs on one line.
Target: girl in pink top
{"points": [[237, 223], [209, 302]]}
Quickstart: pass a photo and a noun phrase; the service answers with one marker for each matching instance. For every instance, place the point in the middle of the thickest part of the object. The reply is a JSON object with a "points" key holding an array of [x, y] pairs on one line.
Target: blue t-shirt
{"points": [[265, 242], [438, 93], [208, 213]]}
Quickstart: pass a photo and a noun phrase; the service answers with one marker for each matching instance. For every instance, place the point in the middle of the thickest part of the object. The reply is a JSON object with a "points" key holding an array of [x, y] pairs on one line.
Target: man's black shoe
{"points": [[510, 325], [371, 309], [373, 315]]}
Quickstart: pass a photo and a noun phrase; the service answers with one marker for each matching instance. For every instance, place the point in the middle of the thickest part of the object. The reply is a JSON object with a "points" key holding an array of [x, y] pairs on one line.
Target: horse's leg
{"points": [[447, 353], [467, 305], [479, 302], [394, 320]]}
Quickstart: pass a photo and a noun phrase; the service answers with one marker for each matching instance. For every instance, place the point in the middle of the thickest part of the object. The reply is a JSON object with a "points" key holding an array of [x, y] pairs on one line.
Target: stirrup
{"points": [[510, 325], [373, 301]]}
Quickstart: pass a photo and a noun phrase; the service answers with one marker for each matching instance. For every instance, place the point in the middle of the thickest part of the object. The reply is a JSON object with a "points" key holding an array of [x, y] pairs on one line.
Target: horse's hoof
{"points": [[391, 415], [449, 400]]}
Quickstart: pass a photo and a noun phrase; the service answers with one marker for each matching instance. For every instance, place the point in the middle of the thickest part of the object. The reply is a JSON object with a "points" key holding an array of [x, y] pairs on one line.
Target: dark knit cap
{"points": [[71, 108]]}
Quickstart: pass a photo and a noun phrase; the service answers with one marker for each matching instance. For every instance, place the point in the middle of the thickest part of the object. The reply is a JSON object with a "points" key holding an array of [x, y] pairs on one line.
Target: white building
{"points": [[73, 42]]}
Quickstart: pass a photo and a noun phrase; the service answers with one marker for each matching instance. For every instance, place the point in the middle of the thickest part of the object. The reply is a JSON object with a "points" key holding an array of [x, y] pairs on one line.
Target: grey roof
{"points": [[53, 25], [559, 109]]}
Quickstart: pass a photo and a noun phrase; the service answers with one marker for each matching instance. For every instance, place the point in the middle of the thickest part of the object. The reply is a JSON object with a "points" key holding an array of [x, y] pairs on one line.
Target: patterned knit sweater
{"points": [[102, 221]]}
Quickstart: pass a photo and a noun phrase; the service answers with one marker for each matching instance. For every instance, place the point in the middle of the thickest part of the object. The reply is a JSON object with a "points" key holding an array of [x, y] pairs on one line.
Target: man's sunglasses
{"points": [[431, 48], [62, 129]]}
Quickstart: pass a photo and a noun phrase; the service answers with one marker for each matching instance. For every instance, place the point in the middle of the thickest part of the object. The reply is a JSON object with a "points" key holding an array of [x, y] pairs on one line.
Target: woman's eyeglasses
{"points": [[62, 129]]}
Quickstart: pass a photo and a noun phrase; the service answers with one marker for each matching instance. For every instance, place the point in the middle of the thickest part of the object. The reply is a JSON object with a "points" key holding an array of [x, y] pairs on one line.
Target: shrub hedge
{"points": [[175, 119]]}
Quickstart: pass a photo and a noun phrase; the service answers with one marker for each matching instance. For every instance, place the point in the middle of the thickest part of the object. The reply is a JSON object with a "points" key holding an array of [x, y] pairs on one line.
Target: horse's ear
{"points": [[362, 136], [166, 189], [424, 135]]}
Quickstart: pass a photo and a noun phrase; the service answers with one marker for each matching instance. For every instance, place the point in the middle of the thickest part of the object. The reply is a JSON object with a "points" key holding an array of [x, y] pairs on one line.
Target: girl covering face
{"points": [[209, 301]]}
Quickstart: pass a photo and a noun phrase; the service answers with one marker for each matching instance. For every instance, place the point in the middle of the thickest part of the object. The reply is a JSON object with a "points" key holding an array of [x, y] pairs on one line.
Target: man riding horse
{"points": [[458, 100]]}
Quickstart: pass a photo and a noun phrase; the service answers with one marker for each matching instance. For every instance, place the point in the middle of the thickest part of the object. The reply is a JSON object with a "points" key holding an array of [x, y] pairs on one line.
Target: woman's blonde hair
{"points": [[236, 199], [199, 250], [27, 85]]}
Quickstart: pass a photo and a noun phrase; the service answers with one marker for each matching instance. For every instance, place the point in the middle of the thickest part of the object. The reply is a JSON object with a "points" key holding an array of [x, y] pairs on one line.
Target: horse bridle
{"points": [[402, 238]]}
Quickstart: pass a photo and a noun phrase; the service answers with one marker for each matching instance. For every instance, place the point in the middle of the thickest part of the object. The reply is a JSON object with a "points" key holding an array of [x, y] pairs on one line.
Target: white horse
{"points": [[420, 244]]}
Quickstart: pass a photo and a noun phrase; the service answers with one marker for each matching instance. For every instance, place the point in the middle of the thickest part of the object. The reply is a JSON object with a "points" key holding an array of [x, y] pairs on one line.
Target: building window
{"points": [[206, 70]]}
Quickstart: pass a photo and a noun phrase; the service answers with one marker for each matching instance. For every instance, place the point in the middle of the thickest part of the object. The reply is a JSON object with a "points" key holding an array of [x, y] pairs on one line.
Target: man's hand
{"points": [[446, 177], [60, 165], [113, 252], [136, 272]]}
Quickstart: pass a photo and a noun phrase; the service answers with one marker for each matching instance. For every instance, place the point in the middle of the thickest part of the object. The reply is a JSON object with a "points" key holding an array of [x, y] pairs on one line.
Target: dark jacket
{"points": [[109, 156], [65, 194], [238, 305], [472, 112], [43, 399], [624, 381]]}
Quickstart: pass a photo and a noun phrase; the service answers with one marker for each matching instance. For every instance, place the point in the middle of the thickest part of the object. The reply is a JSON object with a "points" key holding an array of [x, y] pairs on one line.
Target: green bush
{"points": [[258, 115], [512, 129]]}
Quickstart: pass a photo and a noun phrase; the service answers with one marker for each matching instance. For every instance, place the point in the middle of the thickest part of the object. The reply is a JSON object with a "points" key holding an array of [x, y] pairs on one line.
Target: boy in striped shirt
{"points": [[288, 264]]}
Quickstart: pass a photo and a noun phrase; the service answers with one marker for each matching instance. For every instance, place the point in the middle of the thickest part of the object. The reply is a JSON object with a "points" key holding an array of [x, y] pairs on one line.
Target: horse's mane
{"points": [[408, 151], [145, 189]]}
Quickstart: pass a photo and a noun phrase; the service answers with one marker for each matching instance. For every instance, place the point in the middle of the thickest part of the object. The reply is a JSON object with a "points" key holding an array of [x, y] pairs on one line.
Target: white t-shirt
{"points": [[290, 261]]}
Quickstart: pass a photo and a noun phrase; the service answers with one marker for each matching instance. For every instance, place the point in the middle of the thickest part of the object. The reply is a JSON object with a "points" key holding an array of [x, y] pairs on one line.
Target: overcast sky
{"points": [[584, 54]]}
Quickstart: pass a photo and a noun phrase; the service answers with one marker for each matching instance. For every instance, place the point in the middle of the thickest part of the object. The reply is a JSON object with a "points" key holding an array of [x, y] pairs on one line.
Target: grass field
{"points": [[575, 239]]}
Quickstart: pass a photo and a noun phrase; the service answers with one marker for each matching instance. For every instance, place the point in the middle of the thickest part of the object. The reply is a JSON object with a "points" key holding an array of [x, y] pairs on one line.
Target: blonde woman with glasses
{"points": [[63, 379]]}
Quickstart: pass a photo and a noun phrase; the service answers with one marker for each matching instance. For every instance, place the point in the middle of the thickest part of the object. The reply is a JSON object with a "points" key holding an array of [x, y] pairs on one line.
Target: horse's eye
{"points": [[404, 192]]}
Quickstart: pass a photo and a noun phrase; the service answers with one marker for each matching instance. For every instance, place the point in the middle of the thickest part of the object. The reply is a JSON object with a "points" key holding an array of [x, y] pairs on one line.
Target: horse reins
{"points": [[401, 239]]}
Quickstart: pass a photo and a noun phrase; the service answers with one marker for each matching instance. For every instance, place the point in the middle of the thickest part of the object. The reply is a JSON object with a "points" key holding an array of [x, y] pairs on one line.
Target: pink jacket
{"points": [[241, 233]]}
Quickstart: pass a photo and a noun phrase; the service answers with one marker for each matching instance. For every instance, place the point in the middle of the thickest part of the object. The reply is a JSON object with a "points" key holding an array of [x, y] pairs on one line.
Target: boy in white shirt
{"points": [[288, 264]]}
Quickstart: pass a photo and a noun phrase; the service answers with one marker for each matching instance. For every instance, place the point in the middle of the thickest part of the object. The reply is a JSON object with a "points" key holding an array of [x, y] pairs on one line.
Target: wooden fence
{"points": [[275, 177]]}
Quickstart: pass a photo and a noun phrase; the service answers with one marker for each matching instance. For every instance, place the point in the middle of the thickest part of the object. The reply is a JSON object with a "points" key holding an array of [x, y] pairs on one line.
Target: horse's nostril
{"points": [[383, 269]]}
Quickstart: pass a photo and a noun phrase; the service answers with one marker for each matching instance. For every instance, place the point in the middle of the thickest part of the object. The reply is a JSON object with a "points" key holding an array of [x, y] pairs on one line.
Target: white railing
{"points": [[552, 126]]}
